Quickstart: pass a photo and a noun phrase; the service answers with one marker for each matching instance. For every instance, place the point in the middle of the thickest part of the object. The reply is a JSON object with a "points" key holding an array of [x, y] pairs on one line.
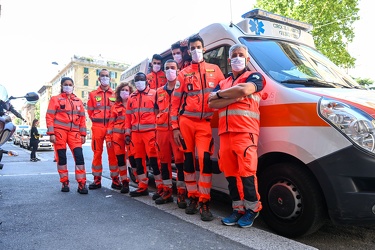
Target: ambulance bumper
{"points": [[347, 178]]}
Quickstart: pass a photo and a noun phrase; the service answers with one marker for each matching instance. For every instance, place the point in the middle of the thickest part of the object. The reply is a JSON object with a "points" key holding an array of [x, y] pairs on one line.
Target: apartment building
{"points": [[85, 72]]}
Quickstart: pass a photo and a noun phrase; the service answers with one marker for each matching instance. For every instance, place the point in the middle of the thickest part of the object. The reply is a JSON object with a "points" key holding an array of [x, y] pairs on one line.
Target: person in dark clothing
{"points": [[34, 140]]}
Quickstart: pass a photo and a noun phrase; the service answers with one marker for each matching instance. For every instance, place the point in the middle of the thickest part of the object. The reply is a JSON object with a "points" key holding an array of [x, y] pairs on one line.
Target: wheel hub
{"points": [[285, 200]]}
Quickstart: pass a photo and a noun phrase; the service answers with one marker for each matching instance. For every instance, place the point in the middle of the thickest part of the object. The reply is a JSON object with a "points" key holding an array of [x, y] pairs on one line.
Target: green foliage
{"points": [[332, 20], [37, 111], [364, 81]]}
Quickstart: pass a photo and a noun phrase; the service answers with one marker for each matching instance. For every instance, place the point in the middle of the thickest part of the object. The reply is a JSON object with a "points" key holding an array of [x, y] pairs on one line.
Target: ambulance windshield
{"points": [[296, 65]]}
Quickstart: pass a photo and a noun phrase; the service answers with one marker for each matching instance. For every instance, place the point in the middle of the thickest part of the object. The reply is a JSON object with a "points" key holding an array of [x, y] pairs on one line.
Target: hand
{"points": [[212, 96], [12, 153], [83, 139], [52, 138], [127, 140], [177, 137]]}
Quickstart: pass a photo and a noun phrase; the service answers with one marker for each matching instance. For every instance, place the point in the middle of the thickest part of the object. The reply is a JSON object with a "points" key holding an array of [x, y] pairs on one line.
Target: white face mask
{"points": [[238, 63], [140, 85], [68, 89], [104, 80], [177, 58], [171, 74], [124, 94], [197, 55], [156, 67]]}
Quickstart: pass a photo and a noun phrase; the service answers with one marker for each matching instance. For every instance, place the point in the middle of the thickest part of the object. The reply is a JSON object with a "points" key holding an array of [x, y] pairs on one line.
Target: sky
{"points": [[33, 34]]}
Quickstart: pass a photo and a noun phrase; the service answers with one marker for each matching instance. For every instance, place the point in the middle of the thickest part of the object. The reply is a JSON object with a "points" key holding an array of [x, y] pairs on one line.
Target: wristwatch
{"points": [[217, 94]]}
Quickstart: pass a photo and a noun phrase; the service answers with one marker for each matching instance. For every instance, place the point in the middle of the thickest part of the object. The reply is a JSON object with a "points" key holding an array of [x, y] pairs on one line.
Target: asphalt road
{"points": [[257, 237], [36, 215]]}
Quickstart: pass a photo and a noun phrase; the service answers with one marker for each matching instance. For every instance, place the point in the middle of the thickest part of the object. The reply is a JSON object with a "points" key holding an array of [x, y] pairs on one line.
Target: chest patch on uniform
{"points": [[211, 84], [210, 70], [98, 98], [178, 84], [112, 99]]}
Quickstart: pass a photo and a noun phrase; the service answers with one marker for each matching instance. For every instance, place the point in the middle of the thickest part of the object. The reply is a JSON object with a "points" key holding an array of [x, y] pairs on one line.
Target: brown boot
{"points": [[125, 187], [166, 196], [181, 198], [97, 183], [158, 193], [116, 183]]}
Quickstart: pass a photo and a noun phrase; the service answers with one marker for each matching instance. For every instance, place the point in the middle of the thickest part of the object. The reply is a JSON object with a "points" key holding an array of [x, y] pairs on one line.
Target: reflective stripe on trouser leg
{"points": [[143, 181], [63, 172], [189, 176], [251, 195], [114, 171], [156, 172], [97, 140], [123, 170], [80, 172], [237, 203], [139, 150], [205, 178]]}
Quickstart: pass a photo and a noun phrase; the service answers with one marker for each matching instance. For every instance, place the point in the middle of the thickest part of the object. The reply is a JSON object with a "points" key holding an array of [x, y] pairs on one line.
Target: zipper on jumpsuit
{"points": [[105, 104], [226, 110], [202, 90], [71, 122], [139, 108]]}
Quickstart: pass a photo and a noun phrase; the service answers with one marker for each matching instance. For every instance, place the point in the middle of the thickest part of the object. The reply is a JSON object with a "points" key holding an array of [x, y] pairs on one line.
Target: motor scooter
{"points": [[7, 128]]}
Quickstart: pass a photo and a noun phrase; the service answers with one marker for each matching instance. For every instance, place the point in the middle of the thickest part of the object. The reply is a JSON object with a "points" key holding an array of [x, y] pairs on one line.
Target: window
{"points": [[112, 74], [86, 82], [83, 94], [97, 72], [86, 70], [219, 56], [97, 83]]}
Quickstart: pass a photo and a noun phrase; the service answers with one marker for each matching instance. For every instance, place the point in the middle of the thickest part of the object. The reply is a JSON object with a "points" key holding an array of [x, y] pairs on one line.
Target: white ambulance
{"points": [[316, 148]]}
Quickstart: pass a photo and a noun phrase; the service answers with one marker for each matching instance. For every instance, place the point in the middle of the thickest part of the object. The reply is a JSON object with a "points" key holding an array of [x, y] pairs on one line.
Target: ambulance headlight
{"points": [[356, 124]]}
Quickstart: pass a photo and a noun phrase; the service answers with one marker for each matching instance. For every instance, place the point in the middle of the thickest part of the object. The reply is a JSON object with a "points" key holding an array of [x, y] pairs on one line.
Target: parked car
{"points": [[17, 133], [44, 143], [24, 137]]}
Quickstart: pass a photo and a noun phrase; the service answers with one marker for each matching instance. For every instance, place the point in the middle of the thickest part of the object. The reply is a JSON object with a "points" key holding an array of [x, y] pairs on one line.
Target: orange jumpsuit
{"points": [[156, 80], [165, 141], [140, 124], [239, 130], [116, 135], [99, 108], [190, 113], [66, 120]]}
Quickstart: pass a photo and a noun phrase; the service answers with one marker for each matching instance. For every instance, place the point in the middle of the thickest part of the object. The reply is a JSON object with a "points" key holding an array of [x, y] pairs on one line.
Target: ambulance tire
{"points": [[293, 203]]}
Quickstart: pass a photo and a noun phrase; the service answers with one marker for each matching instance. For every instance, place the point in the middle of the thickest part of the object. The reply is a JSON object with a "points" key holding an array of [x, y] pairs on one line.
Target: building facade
{"points": [[85, 73]]}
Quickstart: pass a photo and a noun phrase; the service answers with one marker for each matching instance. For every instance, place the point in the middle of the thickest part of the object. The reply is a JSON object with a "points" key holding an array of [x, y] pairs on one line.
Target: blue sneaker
{"points": [[232, 219], [248, 218]]}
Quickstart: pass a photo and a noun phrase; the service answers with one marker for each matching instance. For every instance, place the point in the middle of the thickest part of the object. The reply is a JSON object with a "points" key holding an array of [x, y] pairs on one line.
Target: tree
{"points": [[364, 81], [332, 21], [37, 110]]}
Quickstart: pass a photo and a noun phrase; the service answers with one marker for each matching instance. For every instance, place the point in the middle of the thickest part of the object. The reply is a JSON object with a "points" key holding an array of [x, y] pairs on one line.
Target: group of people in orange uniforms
{"points": [[168, 116]]}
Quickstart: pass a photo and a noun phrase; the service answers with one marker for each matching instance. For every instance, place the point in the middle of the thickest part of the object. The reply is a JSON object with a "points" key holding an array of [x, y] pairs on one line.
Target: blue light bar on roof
{"points": [[265, 15]]}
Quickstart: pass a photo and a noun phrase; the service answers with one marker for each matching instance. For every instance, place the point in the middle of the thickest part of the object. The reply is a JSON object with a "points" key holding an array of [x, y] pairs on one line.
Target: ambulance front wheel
{"points": [[293, 203]]}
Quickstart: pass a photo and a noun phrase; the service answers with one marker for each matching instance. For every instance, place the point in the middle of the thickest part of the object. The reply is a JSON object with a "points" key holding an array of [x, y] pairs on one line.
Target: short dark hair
{"points": [[170, 61], [66, 79], [195, 38], [176, 45], [156, 57]]}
